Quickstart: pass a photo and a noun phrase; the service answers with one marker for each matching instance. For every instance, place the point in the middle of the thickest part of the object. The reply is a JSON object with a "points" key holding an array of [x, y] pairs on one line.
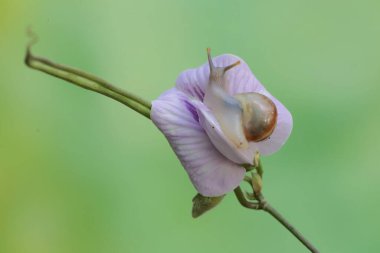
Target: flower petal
{"points": [[211, 173], [240, 79]]}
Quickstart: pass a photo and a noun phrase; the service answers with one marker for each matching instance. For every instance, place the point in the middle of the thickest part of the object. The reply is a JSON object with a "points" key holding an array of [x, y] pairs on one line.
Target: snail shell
{"points": [[244, 117], [259, 116]]}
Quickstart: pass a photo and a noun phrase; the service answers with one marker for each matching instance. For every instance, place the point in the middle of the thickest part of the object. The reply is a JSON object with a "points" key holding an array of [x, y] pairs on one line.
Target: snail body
{"points": [[243, 117]]}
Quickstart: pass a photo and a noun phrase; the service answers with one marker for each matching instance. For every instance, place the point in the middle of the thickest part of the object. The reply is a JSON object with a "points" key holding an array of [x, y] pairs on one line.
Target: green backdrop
{"points": [[82, 173]]}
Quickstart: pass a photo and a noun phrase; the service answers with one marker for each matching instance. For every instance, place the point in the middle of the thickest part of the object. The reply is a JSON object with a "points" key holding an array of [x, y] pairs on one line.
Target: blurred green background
{"points": [[82, 173]]}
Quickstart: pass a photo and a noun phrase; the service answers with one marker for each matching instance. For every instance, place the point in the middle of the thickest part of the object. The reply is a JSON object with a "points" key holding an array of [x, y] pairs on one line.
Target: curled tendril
{"points": [[33, 39]]}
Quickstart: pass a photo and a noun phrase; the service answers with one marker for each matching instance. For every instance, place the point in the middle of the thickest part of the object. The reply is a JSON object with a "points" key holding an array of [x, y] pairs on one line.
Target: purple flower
{"points": [[203, 118]]}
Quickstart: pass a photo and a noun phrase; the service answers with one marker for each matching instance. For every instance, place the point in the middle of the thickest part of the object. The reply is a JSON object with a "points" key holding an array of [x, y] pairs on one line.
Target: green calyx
{"points": [[202, 204]]}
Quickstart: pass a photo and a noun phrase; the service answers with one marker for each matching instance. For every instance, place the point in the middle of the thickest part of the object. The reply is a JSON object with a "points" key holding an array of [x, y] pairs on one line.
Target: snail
{"points": [[242, 117]]}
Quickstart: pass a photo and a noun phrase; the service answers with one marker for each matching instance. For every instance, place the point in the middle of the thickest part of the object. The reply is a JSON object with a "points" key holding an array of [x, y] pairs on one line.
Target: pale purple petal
{"points": [[240, 79], [210, 159], [211, 173]]}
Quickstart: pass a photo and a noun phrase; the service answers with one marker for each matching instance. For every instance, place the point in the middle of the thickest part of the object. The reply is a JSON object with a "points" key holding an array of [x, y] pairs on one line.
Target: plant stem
{"points": [[262, 204], [275, 214], [88, 81]]}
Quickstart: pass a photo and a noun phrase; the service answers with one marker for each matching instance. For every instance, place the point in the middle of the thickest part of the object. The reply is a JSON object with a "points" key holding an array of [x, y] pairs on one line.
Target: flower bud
{"points": [[257, 183], [202, 204]]}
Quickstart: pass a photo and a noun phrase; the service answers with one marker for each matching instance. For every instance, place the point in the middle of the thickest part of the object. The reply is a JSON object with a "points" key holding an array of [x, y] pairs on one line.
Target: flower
{"points": [[200, 133]]}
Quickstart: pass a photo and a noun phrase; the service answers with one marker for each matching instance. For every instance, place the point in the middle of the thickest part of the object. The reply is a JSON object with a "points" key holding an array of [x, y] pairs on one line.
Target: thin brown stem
{"points": [[262, 204], [87, 81], [275, 214], [92, 78]]}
